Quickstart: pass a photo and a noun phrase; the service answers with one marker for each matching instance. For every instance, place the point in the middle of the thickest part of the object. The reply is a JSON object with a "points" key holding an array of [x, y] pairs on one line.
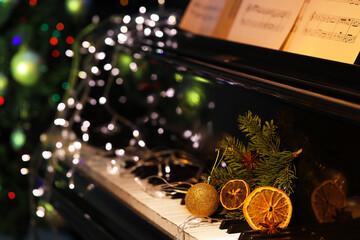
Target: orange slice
{"points": [[267, 203], [326, 199], [233, 194]]}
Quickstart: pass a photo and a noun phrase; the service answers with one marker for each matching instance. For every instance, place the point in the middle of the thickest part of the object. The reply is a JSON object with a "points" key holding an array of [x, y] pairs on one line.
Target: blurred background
{"points": [[36, 38]]}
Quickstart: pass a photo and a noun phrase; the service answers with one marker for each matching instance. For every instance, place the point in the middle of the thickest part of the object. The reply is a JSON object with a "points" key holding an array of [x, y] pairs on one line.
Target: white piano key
{"points": [[166, 214]]}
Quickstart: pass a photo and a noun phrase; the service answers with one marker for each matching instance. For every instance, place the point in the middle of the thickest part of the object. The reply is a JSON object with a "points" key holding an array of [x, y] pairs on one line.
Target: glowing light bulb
{"points": [[82, 74], [115, 71], [108, 146], [79, 106], [139, 20], [154, 17], [25, 157], [85, 44], [92, 49], [94, 70], [160, 130], [100, 55], [111, 126], [147, 31], [61, 107], [123, 29], [38, 192], [109, 41], [142, 9], [107, 67], [159, 34], [136, 133], [141, 143], [69, 53], [133, 66], [46, 154], [122, 38], [120, 152], [171, 20], [126, 19], [24, 171], [85, 137], [40, 212], [102, 100]]}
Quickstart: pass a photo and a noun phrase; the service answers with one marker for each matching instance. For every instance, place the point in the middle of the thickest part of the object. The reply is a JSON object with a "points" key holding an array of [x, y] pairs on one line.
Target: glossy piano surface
{"points": [[185, 92]]}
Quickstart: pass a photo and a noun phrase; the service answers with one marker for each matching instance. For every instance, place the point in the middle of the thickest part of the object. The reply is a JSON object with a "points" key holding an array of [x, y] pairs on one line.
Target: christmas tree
{"points": [[36, 48]]}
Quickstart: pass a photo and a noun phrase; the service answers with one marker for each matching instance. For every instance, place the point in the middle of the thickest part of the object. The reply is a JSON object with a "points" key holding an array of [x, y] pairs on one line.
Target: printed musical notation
{"points": [[201, 16], [352, 2], [264, 23], [328, 29], [264, 17], [336, 28]]}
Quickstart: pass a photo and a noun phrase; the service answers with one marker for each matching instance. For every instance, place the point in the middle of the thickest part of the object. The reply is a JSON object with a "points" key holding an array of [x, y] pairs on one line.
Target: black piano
{"points": [[179, 91]]}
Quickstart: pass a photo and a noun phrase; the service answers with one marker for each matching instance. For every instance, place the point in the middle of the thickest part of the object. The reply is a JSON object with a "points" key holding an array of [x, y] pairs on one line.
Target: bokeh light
{"points": [[53, 41], [16, 40], [11, 195]]}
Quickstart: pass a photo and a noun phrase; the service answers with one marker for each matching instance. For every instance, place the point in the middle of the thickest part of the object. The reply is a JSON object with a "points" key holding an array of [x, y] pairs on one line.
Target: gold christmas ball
{"points": [[202, 200]]}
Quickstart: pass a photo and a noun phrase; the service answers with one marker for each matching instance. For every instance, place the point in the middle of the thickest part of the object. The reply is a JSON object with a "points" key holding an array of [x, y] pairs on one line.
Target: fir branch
{"points": [[277, 170], [222, 175], [261, 138], [233, 214], [273, 167], [234, 147]]}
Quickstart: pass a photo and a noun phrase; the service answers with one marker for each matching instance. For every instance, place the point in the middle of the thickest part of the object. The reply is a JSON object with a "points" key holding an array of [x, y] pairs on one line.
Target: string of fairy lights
{"points": [[99, 58]]}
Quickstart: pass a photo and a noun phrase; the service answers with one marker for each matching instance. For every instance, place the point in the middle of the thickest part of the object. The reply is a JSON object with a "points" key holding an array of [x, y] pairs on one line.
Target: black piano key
{"points": [[239, 227], [177, 195], [284, 234], [129, 164], [225, 224], [349, 230]]}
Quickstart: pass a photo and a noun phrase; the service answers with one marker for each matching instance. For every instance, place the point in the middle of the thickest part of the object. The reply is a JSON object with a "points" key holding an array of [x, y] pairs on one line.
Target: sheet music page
{"points": [[264, 23], [328, 29], [201, 16], [226, 19]]}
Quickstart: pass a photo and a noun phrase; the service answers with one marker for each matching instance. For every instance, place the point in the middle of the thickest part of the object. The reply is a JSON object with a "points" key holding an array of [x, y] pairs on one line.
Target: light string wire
{"points": [[166, 187], [192, 222]]}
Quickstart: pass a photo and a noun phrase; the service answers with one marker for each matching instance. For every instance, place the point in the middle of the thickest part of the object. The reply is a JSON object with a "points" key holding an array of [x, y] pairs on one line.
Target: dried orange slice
{"points": [[233, 194], [326, 199], [267, 203]]}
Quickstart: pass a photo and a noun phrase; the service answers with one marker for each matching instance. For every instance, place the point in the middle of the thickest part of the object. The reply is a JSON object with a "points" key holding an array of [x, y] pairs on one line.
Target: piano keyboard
{"points": [[166, 214]]}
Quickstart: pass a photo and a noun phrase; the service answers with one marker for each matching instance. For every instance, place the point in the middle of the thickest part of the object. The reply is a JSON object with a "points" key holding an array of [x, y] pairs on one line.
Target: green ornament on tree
{"points": [[17, 138], [76, 7], [3, 83], [25, 67]]}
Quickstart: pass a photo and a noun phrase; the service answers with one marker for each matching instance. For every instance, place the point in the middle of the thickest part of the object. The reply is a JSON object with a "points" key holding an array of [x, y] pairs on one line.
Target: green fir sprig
{"points": [[259, 162]]}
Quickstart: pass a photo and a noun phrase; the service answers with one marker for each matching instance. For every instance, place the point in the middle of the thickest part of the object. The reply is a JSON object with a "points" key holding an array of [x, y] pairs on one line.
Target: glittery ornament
{"points": [[202, 200]]}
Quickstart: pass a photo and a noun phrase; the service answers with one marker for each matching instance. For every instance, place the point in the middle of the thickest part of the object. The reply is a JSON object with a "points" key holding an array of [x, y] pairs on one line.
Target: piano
{"points": [[136, 93]]}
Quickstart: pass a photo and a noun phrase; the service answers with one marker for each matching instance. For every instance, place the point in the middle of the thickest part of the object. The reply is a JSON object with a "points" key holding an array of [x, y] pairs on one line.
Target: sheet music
{"points": [[226, 19], [265, 23], [329, 29], [355, 2], [201, 16]]}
